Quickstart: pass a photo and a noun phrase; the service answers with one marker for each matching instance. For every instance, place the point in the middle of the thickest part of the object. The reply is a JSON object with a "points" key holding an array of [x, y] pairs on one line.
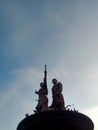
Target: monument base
{"points": [[59, 120]]}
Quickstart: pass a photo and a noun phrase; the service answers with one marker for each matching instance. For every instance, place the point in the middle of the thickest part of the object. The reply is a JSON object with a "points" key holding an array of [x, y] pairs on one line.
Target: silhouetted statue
{"points": [[42, 93], [58, 100]]}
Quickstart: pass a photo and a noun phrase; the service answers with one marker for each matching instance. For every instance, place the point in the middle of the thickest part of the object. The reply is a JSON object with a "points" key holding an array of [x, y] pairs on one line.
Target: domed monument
{"points": [[57, 116]]}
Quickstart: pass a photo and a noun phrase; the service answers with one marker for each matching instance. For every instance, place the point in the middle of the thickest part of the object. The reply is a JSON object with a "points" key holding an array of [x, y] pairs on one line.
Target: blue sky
{"points": [[59, 33]]}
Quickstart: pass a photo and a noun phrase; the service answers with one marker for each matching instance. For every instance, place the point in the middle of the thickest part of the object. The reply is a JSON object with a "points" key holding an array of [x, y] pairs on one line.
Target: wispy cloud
{"points": [[19, 96], [62, 35]]}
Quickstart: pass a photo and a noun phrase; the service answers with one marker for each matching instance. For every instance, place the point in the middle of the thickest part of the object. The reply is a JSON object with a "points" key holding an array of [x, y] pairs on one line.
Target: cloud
{"points": [[93, 114], [64, 38], [19, 96], [79, 85]]}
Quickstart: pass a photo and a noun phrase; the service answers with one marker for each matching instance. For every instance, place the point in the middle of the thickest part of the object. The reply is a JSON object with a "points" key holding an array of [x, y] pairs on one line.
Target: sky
{"points": [[60, 33]]}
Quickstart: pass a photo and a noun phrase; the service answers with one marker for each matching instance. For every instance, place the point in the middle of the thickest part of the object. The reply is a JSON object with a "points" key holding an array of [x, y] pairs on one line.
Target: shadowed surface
{"points": [[56, 120]]}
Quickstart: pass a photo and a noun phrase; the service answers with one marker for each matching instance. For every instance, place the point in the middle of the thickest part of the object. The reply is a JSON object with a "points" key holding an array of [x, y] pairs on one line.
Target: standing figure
{"points": [[42, 93], [43, 100], [58, 100]]}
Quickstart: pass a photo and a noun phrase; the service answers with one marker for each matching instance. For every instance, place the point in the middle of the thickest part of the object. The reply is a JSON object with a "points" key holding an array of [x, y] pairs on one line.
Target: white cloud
{"points": [[79, 85], [19, 96], [71, 49], [93, 114], [79, 88]]}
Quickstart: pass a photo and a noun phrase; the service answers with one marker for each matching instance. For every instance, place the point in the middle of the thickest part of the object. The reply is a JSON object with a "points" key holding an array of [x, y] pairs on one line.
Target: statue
{"points": [[58, 100], [57, 96], [42, 93]]}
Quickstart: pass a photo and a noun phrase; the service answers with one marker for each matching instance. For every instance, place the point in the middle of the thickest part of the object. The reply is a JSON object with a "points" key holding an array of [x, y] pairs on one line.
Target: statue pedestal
{"points": [[56, 120]]}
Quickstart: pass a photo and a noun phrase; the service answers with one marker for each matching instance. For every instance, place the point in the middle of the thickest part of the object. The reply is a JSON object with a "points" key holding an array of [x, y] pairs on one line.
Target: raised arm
{"points": [[45, 79]]}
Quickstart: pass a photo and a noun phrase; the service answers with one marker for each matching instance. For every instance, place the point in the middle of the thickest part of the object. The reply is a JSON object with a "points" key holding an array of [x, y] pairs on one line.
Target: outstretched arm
{"points": [[36, 92]]}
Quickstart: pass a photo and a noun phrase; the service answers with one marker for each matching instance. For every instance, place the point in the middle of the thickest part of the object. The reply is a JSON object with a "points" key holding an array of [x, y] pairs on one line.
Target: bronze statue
{"points": [[42, 93], [58, 100]]}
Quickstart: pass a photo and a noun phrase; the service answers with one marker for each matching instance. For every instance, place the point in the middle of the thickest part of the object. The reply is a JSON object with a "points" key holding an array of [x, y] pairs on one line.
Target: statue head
{"points": [[41, 84], [54, 81]]}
